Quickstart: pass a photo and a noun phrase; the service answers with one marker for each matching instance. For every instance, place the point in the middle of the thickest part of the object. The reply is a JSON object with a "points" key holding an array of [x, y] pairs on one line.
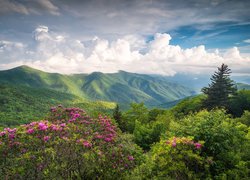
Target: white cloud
{"points": [[247, 41], [57, 53]]}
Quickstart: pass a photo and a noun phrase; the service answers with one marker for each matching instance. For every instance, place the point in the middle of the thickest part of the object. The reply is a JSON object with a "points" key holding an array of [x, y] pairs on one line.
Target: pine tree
{"points": [[221, 89], [117, 115]]}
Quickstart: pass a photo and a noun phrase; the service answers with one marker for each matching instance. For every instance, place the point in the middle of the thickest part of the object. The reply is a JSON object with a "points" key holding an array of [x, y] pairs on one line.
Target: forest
{"points": [[206, 136]]}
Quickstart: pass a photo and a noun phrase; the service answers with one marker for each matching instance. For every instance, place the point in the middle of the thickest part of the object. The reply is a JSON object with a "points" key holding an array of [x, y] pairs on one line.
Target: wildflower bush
{"points": [[69, 144], [175, 158]]}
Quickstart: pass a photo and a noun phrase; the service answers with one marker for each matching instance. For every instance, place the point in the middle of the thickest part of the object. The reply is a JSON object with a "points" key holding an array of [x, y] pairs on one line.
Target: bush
{"points": [[68, 145], [175, 158], [225, 141]]}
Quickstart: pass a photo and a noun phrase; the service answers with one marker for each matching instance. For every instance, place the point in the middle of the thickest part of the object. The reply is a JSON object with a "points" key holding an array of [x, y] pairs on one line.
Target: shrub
{"points": [[225, 141], [175, 158], [70, 144]]}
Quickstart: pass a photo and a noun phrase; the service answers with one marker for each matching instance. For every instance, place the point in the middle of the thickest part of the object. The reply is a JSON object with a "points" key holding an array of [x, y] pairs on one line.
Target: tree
{"points": [[117, 114], [221, 89]]}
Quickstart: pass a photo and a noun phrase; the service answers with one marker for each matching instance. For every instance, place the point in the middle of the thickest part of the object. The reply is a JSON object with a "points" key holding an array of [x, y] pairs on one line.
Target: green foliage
{"points": [[245, 118], [221, 88], [175, 158], [22, 104], [117, 114], [239, 103], [146, 125], [137, 112], [224, 140], [187, 106], [70, 145]]}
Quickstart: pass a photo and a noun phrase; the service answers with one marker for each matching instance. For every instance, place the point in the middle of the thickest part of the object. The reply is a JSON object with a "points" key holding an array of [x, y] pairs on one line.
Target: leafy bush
{"points": [[188, 106], [146, 125], [70, 145], [225, 141], [175, 158]]}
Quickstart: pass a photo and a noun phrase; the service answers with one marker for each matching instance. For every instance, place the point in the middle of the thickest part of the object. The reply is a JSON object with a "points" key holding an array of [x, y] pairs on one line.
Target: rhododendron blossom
{"points": [[87, 144], [46, 138], [2, 133], [131, 158], [197, 145], [69, 137], [30, 131], [42, 126]]}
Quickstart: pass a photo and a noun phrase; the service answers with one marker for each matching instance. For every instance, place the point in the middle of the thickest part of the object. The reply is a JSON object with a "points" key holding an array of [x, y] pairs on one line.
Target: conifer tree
{"points": [[221, 89], [117, 115]]}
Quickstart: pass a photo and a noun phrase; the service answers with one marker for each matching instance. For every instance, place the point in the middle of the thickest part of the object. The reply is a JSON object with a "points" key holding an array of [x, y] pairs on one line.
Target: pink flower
{"points": [[63, 125], [2, 133], [46, 138], [12, 130], [99, 136], [76, 115], [30, 131], [197, 145], [87, 144], [53, 109], [173, 144], [72, 120], [54, 127], [42, 126], [131, 158], [33, 123], [11, 136], [108, 139]]}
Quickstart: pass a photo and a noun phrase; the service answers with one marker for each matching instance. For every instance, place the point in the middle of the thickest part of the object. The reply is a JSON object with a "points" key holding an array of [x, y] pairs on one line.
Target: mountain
{"points": [[241, 86], [21, 104], [198, 81], [121, 87]]}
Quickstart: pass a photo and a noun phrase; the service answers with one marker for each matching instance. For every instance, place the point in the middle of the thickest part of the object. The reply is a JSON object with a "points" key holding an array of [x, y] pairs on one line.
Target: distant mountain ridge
{"points": [[121, 87]]}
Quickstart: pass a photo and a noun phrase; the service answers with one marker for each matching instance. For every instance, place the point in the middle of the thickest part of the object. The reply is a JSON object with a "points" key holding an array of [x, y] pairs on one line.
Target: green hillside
{"points": [[121, 87], [243, 86], [27, 76], [21, 104]]}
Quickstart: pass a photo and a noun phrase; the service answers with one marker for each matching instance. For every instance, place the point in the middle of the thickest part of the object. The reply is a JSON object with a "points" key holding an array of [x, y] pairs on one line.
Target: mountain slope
{"points": [[27, 76], [241, 86], [21, 104], [121, 87]]}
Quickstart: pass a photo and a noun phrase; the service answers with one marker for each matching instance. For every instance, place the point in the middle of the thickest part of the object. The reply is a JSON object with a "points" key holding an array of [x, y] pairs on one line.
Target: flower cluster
{"points": [[183, 140], [70, 136]]}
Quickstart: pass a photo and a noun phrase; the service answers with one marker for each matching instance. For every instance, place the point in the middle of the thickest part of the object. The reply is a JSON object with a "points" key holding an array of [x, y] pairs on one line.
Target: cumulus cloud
{"points": [[54, 52]]}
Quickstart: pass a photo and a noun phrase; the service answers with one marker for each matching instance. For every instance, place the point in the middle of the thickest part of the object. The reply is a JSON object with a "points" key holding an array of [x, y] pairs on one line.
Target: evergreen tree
{"points": [[117, 115], [221, 89]]}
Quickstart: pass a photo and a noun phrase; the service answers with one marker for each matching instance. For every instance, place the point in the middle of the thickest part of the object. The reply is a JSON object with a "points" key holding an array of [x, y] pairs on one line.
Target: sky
{"points": [[144, 36]]}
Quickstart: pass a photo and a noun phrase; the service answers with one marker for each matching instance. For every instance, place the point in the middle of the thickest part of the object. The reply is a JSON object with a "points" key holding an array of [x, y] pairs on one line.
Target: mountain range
{"points": [[121, 87]]}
